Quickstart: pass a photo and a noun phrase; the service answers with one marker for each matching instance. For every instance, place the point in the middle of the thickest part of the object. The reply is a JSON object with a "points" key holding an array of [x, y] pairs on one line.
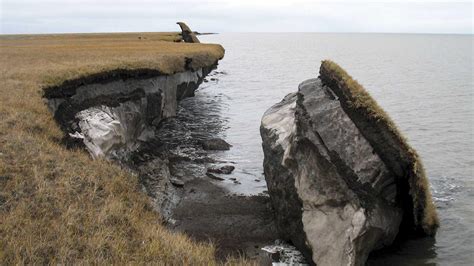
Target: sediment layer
{"points": [[111, 114]]}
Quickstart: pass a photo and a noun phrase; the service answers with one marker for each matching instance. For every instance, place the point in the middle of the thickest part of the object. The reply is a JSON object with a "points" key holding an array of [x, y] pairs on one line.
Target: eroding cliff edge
{"points": [[342, 179], [111, 113]]}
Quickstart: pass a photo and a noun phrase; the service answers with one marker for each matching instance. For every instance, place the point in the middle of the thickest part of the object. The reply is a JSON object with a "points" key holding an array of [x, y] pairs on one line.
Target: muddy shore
{"points": [[172, 168]]}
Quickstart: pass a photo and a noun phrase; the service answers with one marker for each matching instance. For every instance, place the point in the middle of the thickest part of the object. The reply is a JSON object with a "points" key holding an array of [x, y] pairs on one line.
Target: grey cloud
{"points": [[28, 16]]}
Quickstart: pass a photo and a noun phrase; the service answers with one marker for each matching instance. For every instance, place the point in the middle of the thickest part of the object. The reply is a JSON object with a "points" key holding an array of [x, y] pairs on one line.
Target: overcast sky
{"points": [[54, 16]]}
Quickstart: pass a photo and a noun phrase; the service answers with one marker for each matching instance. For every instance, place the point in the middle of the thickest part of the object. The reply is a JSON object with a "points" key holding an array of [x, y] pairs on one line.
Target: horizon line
{"points": [[248, 32]]}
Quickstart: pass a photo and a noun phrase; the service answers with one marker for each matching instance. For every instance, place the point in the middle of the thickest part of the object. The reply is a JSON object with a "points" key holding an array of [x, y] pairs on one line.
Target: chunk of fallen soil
{"points": [[214, 177], [226, 169], [215, 144], [177, 182]]}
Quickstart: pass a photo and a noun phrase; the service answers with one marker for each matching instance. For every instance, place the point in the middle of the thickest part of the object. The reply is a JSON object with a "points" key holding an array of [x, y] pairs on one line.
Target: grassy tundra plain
{"points": [[58, 205]]}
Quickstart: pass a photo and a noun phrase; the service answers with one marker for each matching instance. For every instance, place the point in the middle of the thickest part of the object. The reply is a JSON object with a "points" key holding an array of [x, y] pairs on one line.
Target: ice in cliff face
{"points": [[105, 130]]}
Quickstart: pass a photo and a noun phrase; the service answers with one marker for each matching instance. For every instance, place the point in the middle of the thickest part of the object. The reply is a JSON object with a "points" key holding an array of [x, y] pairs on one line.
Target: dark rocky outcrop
{"points": [[342, 180], [158, 183], [187, 34], [215, 144], [212, 176], [226, 169]]}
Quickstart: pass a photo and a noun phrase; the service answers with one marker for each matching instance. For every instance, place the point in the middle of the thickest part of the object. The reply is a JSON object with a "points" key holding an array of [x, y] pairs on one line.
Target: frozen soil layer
{"points": [[111, 117]]}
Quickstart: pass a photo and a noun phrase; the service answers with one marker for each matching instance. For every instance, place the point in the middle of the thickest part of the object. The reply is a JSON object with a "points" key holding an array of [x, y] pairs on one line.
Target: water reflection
{"points": [[409, 252]]}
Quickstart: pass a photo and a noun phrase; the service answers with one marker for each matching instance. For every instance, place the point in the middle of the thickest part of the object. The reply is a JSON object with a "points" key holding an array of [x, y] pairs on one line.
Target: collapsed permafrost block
{"points": [[342, 180]]}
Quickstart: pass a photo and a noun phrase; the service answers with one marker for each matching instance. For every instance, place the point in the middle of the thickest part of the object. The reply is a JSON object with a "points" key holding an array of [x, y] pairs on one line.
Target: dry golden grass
{"points": [[58, 205], [359, 99]]}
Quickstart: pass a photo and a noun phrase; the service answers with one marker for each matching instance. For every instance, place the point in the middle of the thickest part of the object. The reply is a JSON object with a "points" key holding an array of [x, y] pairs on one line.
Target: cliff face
{"points": [[112, 113], [336, 193]]}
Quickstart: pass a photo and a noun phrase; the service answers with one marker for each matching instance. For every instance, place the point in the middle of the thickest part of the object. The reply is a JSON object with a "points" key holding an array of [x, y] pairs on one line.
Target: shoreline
{"points": [[209, 200]]}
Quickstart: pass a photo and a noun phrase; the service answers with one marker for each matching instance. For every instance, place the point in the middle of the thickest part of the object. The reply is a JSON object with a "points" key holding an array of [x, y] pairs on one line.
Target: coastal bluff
{"points": [[342, 179], [111, 112], [57, 205]]}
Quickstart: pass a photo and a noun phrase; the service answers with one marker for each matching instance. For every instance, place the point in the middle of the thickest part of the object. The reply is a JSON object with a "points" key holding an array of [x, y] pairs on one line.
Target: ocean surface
{"points": [[424, 82]]}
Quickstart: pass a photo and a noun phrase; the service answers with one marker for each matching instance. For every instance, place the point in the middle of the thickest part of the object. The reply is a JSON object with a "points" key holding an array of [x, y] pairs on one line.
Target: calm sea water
{"points": [[425, 83]]}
